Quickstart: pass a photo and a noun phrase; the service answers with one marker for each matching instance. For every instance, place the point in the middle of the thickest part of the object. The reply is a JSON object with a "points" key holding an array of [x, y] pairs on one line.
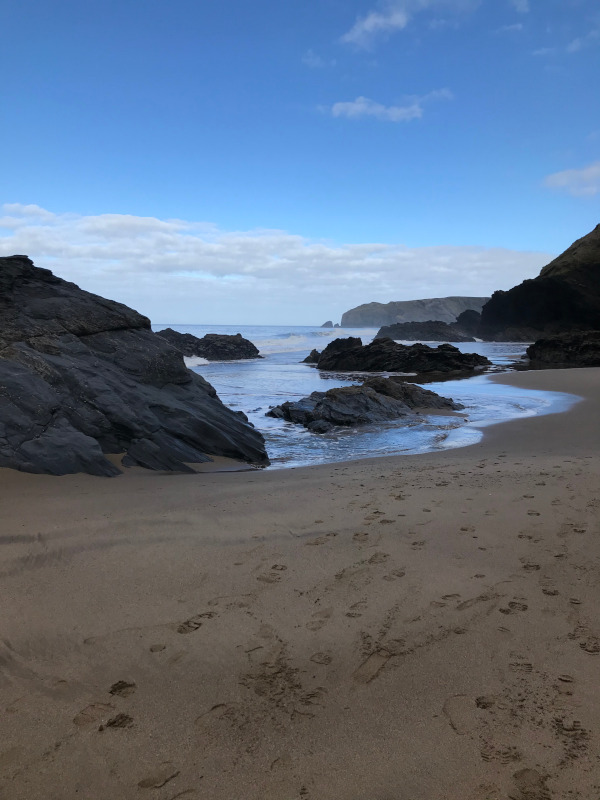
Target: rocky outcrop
{"points": [[443, 309], [430, 331], [565, 297], [82, 377], [568, 350], [212, 346], [385, 355], [312, 357], [328, 324], [377, 400]]}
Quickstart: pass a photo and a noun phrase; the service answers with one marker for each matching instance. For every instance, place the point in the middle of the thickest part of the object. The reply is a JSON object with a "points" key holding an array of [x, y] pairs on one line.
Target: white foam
{"points": [[195, 361]]}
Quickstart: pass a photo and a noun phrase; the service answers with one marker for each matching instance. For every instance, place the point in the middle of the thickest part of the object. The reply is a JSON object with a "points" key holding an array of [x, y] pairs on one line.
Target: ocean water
{"points": [[254, 386]]}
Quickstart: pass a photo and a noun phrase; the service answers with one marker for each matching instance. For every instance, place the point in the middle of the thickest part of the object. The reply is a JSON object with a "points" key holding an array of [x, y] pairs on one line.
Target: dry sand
{"points": [[415, 628]]}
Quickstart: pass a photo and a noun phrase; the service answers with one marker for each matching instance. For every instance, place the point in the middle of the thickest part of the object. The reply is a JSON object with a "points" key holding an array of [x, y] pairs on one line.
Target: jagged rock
{"points": [[568, 350], [445, 309], [82, 376], [385, 355], [312, 357], [328, 324], [377, 400], [565, 297], [212, 346], [469, 322], [430, 331]]}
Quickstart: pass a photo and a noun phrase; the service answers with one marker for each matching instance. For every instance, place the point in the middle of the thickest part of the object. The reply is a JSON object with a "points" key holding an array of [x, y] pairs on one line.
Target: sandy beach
{"points": [[408, 628]]}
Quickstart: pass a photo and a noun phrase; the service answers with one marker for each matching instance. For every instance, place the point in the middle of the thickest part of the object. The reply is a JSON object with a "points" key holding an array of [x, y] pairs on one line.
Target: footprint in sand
{"points": [[378, 558], [92, 713], [394, 575], [120, 721], [321, 540], [268, 577], [122, 688], [318, 619], [356, 609], [529, 785], [502, 754], [321, 658], [361, 537], [371, 668], [514, 607], [461, 714], [193, 623], [160, 776]]}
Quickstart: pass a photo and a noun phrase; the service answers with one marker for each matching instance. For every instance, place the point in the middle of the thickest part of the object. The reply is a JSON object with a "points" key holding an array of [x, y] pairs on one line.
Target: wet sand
{"points": [[408, 628]]}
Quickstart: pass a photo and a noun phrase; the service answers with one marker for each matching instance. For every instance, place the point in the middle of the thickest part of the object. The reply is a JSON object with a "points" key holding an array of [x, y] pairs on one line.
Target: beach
{"points": [[418, 627]]}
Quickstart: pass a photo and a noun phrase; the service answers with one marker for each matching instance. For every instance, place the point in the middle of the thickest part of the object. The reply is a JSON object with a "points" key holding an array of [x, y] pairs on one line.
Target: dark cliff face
{"points": [[564, 297], [81, 376]]}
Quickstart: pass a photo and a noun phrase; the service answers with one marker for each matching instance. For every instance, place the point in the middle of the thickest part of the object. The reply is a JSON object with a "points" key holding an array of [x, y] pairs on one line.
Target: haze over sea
{"points": [[253, 386]]}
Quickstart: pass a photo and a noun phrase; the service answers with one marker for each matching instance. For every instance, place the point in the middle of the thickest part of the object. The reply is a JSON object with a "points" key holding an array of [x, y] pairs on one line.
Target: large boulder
{"points": [[377, 400], [568, 350], [212, 346], [385, 355], [430, 331], [82, 376], [565, 297], [445, 309]]}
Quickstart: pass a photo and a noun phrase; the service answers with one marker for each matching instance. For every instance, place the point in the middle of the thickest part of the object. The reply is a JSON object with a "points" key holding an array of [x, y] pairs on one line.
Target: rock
{"points": [[564, 298], [312, 357], [445, 309], [568, 350], [82, 376], [377, 400], [212, 346], [337, 325], [469, 322], [430, 331], [385, 355], [328, 324]]}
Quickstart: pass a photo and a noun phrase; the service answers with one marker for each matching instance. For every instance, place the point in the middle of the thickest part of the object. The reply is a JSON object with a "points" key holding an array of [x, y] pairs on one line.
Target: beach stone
{"points": [[385, 355], [568, 350], [82, 377], [212, 346], [376, 400]]}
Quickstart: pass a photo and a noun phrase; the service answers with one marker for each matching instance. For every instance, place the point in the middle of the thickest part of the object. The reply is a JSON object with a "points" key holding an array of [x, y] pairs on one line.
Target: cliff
{"points": [[564, 297], [443, 309]]}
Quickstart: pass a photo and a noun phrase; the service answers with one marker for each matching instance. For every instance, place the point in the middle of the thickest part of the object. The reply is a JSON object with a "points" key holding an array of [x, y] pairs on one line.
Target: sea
{"points": [[254, 386]]}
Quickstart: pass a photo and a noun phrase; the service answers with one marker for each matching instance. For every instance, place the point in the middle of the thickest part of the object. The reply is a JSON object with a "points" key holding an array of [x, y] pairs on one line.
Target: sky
{"points": [[282, 161]]}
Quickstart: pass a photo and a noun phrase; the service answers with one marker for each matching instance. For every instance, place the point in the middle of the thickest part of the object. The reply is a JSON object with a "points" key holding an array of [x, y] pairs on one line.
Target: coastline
{"points": [[417, 626]]}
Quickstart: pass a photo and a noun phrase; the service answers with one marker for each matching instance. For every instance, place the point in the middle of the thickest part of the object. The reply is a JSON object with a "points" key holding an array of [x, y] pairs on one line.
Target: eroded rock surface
{"points": [[376, 400], [82, 376], [430, 331], [212, 346], [569, 350], [385, 355]]}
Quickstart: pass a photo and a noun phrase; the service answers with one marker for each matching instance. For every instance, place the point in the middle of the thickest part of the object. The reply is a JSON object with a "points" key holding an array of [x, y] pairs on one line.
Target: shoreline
{"points": [[421, 627]]}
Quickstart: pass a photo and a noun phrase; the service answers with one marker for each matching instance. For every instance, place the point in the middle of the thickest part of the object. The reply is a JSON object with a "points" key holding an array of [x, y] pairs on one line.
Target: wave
{"points": [[195, 361]]}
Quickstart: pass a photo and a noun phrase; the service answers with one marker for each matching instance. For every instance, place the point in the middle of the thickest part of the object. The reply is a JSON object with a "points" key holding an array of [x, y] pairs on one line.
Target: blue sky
{"points": [[230, 161]]}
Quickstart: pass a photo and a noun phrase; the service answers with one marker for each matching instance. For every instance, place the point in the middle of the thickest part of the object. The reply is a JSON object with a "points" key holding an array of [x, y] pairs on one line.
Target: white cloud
{"points": [[364, 107], [314, 61], [578, 182], [522, 6], [182, 271], [516, 28], [375, 23], [581, 42]]}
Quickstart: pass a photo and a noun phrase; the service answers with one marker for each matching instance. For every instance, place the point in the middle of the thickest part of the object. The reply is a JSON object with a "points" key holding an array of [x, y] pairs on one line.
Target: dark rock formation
{"points": [[444, 309], [312, 358], [385, 355], [568, 350], [81, 376], [377, 400], [337, 325], [212, 346], [328, 324], [430, 331], [469, 322], [565, 297]]}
